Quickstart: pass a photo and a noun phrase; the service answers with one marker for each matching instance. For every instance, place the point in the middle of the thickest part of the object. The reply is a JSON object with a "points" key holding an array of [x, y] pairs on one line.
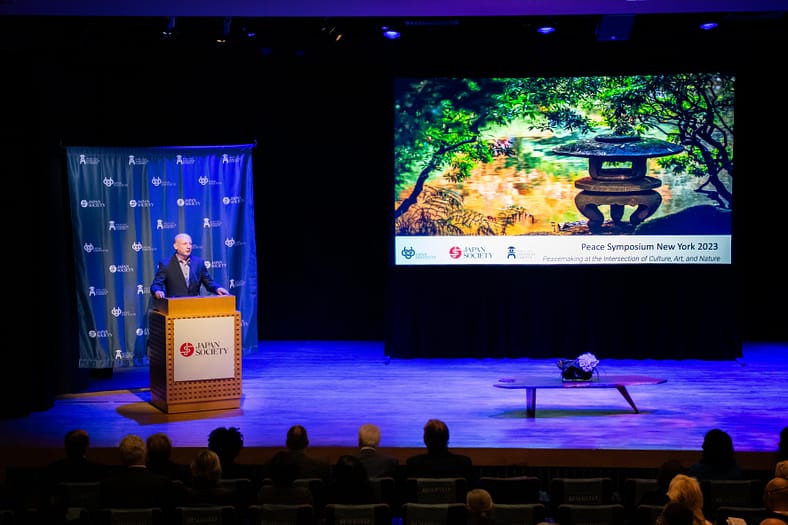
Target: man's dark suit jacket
{"points": [[169, 278], [309, 467], [442, 464], [378, 464], [136, 487]]}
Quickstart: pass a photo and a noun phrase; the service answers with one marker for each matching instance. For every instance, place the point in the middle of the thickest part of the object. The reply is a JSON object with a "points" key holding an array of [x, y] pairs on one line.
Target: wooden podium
{"points": [[195, 353]]}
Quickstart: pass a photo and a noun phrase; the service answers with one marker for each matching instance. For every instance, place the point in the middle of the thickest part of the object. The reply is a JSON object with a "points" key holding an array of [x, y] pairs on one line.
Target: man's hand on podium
{"points": [[158, 294], [222, 291]]}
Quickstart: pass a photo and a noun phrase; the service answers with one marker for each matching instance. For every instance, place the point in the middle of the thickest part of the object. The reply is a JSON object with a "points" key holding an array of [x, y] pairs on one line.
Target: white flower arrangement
{"points": [[587, 362], [582, 368]]}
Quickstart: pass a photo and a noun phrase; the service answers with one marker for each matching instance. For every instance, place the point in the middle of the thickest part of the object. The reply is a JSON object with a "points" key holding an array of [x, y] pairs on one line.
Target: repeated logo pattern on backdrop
{"points": [[127, 205]]}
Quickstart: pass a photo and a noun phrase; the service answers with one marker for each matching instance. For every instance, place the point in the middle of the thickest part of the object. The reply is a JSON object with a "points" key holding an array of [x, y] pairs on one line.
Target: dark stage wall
{"points": [[322, 123]]}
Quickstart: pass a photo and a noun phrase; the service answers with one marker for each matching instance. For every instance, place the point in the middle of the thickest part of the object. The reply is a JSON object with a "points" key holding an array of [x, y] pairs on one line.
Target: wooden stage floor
{"points": [[332, 387]]}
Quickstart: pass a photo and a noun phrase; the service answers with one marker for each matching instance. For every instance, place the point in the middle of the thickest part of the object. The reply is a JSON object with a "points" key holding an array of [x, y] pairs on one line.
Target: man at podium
{"points": [[183, 274]]}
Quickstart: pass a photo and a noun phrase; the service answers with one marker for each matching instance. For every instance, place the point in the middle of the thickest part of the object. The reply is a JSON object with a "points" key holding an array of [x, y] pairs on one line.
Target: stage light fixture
{"points": [[708, 26], [248, 32], [390, 33], [545, 29]]}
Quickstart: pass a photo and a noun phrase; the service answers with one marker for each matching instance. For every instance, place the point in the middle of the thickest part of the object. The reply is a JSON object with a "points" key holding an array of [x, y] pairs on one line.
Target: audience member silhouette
{"points": [[480, 507], [297, 442], [133, 485], [686, 490], [349, 483], [665, 474], [75, 465], [378, 464], [775, 499], [205, 488], [160, 458], [282, 471], [782, 445], [676, 513], [227, 443], [717, 460], [438, 461], [781, 469]]}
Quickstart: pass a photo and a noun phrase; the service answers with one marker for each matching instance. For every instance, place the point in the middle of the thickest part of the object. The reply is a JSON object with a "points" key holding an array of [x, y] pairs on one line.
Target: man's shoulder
{"points": [[418, 458], [377, 455]]}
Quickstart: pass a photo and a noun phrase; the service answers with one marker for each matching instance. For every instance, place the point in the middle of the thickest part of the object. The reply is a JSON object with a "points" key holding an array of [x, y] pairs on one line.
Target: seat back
{"points": [[205, 515], [271, 514], [69, 494], [434, 514], [145, 516], [366, 514], [385, 490], [571, 514], [633, 489], [580, 491], [318, 489], [646, 514], [518, 513], [243, 488], [521, 489], [751, 515], [74, 501], [435, 490], [730, 493]]}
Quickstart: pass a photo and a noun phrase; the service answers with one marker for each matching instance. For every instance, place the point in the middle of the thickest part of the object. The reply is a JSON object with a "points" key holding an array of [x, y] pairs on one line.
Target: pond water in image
{"points": [[543, 184]]}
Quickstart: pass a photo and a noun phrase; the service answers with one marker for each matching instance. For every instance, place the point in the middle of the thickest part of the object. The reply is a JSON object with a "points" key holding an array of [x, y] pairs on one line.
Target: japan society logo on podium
{"points": [[204, 348]]}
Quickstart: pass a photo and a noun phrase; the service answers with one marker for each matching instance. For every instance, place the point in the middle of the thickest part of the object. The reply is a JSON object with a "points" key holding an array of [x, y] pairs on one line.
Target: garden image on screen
{"points": [[564, 170]]}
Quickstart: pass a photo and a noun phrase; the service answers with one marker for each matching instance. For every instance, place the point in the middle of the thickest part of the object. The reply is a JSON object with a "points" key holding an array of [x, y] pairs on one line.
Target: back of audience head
{"points": [[782, 445], [283, 469], [76, 443], [350, 482], [436, 435], [676, 513], [480, 506], [159, 447], [685, 489], [227, 442], [297, 438], [667, 471], [350, 470], [718, 448], [132, 450], [369, 435], [775, 495], [206, 468], [781, 469]]}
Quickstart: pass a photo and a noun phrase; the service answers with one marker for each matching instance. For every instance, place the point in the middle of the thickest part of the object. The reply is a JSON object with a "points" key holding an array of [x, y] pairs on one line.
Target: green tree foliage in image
{"points": [[440, 125]]}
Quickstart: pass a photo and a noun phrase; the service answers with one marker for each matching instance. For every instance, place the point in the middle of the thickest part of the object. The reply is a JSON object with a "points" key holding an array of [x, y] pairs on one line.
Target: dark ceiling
{"points": [[379, 8]]}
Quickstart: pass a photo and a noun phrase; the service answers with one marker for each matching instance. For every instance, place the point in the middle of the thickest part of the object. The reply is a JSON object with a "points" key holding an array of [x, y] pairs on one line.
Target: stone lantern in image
{"points": [[617, 165]]}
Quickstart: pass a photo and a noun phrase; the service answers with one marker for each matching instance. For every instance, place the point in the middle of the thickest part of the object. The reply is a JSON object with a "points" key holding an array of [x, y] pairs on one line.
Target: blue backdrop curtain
{"points": [[127, 206]]}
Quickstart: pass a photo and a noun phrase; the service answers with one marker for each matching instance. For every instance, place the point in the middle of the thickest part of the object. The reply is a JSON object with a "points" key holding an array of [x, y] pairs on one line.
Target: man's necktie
{"points": [[185, 269]]}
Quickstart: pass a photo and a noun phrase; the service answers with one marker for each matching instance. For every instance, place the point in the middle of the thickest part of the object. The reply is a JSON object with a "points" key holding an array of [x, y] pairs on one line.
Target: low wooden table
{"points": [[620, 383]]}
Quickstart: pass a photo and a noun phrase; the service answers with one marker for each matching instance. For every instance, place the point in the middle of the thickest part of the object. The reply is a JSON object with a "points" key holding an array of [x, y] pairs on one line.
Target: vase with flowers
{"points": [[582, 368]]}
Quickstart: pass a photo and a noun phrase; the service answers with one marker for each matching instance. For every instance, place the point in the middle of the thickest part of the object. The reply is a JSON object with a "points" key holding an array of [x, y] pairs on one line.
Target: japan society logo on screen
{"points": [[470, 252]]}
